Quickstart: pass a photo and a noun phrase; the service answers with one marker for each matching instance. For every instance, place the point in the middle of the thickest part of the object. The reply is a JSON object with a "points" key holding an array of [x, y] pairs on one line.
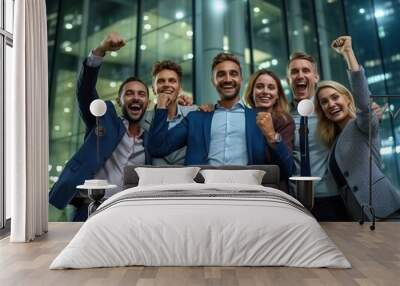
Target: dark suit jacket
{"points": [[194, 132], [83, 165]]}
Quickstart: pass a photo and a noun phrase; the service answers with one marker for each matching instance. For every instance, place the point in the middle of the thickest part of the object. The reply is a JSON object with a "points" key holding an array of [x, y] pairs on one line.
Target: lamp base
{"points": [[372, 210], [96, 196]]}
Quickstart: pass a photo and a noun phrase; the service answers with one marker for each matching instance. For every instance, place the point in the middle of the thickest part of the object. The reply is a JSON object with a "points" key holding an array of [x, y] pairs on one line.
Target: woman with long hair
{"points": [[265, 93], [344, 122]]}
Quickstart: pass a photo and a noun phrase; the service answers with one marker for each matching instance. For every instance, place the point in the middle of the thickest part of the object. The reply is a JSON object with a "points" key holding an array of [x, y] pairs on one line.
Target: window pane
{"points": [[9, 15], [82, 28], [122, 18], [360, 19], [52, 12], [269, 40], [389, 132], [331, 24], [302, 27], [220, 26], [386, 14], [2, 153], [167, 33], [7, 83], [1, 15], [371, 48]]}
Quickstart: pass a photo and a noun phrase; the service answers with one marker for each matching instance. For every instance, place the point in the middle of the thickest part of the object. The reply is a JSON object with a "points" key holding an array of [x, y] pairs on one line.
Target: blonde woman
{"points": [[264, 92], [344, 126]]}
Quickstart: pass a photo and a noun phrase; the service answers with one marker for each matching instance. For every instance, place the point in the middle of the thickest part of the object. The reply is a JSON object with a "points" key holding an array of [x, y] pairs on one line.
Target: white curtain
{"points": [[27, 124]]}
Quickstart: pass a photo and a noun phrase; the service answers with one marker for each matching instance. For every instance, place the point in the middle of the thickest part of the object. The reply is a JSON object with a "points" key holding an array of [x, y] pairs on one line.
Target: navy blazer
{"points": [[194, 132], [84, 165]]}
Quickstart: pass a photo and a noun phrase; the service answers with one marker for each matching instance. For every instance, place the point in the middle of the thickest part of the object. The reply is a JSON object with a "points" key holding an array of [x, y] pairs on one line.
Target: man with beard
{"points": [[123, 142], [229, 135], [302, 77], [167, 82]]}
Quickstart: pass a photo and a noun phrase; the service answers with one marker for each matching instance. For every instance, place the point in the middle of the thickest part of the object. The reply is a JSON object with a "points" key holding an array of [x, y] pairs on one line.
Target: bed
{"points": [[201, 224]]}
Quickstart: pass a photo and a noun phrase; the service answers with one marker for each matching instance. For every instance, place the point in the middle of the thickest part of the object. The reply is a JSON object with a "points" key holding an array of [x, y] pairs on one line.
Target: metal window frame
{"points": [[2, 177], [6, 39], [2, 89]]}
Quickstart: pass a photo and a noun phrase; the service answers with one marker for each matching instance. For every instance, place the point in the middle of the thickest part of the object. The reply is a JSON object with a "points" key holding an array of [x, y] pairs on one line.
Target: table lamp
{"points": [[304, 182], [98, 108], [96, 188]]}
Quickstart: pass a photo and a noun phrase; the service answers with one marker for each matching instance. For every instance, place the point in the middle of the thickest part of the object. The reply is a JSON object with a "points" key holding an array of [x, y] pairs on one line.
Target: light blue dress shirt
{"points": [[319, 155], [228, 144]]}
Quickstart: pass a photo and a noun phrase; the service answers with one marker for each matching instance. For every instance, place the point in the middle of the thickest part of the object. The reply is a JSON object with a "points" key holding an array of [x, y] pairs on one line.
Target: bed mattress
{"points": [[201, 225]]}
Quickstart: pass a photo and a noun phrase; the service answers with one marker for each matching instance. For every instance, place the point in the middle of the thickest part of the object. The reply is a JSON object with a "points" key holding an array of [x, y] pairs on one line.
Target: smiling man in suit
{"points": [[167, 81], [122, 144], [230, 135]]}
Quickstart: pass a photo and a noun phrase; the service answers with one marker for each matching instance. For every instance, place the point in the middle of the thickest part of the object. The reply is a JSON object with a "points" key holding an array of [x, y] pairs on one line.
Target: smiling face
{"points": [[302, 78], [265, 92], [227, 79], [133, 100], [167, 82], [335, 105]]}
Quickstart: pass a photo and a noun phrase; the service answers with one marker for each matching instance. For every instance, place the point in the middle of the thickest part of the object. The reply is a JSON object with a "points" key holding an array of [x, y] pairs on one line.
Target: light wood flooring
{"points": [[374, 255]]}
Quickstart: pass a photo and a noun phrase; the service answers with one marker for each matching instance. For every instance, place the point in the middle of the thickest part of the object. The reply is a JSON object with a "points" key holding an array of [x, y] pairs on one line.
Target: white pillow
{"points": [[249, 177], [166, 176]]}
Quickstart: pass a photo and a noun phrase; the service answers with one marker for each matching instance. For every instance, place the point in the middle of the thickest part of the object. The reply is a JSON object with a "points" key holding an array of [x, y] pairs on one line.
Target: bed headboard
{"points": [[270, 179]]}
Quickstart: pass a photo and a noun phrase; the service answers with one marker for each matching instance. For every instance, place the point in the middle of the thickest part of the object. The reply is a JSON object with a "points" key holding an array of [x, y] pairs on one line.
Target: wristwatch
{"points": [[277, 138]]}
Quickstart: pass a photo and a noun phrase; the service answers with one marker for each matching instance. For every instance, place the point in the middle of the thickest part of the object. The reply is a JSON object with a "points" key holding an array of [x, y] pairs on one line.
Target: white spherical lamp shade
{"points": [[98, 107], [305, 107]]}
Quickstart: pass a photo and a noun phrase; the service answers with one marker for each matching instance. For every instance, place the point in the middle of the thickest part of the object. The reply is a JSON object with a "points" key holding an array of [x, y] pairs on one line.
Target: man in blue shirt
{"points": [[230, 135]]}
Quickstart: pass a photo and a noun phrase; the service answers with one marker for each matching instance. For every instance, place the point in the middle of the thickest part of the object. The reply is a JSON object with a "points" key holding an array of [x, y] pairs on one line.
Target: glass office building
{"points": [[262, 33]]}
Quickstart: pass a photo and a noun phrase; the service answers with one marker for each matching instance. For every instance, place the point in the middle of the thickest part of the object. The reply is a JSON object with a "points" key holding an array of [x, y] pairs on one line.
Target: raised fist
{"points": [[112, 42], [342, 44], [266, 125]]}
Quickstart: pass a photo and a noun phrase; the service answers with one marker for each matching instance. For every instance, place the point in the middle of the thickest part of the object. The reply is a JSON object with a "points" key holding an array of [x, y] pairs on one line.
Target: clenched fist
{"points": [[185, 100], [163, 100], [264, 122], [112, 42], [342, 45]]}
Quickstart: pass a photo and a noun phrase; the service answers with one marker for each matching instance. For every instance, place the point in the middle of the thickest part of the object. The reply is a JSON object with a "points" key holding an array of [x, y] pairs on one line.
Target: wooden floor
{"points": [[374, 255]]}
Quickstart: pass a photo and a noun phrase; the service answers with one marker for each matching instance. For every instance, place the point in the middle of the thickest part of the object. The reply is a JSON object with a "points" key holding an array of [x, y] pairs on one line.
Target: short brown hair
{"points": [[302, 56], [131, 79], [223, 57], [167, 65]]}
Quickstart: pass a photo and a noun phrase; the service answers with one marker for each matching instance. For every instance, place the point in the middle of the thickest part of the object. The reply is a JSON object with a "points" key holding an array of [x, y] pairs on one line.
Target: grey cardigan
{"points": [[352, 157]]}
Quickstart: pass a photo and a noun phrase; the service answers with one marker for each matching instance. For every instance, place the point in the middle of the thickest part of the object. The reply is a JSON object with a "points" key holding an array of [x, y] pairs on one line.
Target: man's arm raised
{"points": [[86, 86]]}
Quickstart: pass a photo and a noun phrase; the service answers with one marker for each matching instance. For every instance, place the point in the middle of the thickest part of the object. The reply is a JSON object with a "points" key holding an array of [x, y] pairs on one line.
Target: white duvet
{"points": [[206, 230]]}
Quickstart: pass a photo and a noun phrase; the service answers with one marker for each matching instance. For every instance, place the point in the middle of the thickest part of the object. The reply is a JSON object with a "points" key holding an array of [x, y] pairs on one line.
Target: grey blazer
{"points": [[352, 157]]}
